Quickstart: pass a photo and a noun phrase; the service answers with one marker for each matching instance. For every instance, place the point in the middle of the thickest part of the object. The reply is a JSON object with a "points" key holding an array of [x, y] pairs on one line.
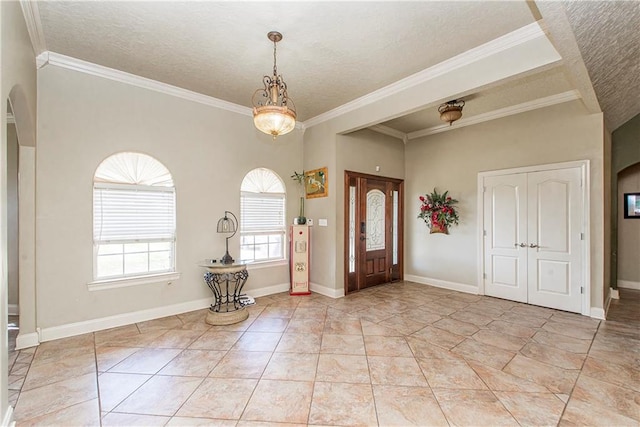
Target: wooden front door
{"points": [[373, 230]]}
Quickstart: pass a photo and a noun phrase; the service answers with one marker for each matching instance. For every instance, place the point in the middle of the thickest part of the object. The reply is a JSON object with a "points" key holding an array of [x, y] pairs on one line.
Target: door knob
{"points": [[522, 245], [533, 246]]}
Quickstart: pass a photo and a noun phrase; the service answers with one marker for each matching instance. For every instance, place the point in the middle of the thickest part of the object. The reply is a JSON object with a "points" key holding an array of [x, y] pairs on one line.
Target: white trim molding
{"points": [[163, 278], [326, 291], [512, 39], [7, 419], [269, 290], [27, 340], [52, 58], [93, 325], [34, 25], [628, 284], [615, 294], [598, 313], [454, 286], [535, 104]]}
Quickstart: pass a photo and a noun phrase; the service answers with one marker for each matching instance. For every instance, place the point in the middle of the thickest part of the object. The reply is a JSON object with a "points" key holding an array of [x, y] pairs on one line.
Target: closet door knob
{"points": [[533, 246]]}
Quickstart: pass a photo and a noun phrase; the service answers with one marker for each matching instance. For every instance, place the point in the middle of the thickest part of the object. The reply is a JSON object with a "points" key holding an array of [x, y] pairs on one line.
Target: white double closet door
{"points": [[533, 237]]}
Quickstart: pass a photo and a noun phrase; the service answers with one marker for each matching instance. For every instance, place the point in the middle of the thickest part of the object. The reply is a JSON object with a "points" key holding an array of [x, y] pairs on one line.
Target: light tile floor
{"points": [[400, 354]]}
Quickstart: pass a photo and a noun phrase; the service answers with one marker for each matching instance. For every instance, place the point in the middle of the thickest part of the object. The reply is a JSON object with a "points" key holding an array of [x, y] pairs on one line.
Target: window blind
{"points": [[131, 213], [262, 212]]}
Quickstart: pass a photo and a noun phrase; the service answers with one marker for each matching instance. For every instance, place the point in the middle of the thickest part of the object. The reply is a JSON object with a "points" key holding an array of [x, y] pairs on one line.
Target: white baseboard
{"points": [[13, 309], [269, 290], [7, 419], [598, 313], [27, 340], [327, 292], [628, 284], [454, 286], [615, 294], [79, 328]]}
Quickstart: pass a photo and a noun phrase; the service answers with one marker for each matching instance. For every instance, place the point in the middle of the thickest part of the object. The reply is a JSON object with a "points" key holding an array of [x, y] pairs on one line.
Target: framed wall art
{"points": [[316, 183], [632, 205]]}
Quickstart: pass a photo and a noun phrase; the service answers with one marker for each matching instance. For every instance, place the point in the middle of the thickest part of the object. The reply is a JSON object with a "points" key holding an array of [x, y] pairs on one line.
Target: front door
{"points": [[373, 230]]}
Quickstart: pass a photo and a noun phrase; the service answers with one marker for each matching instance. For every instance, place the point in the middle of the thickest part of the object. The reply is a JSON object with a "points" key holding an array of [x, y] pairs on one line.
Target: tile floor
{"points": [[400, 354]]}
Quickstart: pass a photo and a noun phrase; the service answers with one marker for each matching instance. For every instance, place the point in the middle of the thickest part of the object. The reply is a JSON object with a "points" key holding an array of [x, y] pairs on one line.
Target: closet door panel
{"points": [[554, 230], [505, 260]]}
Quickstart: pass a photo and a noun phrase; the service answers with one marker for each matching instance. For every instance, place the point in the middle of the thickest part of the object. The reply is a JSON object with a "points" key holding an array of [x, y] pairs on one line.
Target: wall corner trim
{"points": [[454, 286], [599, 313], [615, 294], [34, 25], [27, 340]]}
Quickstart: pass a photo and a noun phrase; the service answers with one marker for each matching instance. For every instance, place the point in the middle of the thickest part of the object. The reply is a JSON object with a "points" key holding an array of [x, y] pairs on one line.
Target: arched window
{"points": [[262, 216], [134, 217]]}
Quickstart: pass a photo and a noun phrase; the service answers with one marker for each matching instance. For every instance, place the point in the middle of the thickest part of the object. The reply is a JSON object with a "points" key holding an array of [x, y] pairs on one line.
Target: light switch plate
{"points": [[322, 222]]}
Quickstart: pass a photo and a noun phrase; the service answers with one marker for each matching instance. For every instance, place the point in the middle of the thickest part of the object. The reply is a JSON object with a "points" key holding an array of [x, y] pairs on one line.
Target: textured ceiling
{"points": [[608, 36], [334, 52]]}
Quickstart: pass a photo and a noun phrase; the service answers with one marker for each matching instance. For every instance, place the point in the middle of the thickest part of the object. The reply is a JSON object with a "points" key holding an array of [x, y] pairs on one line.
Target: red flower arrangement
{"points": [[437, 210]]}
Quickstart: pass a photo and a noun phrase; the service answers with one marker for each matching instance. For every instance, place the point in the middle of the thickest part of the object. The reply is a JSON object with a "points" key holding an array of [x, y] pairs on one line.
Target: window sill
{"points": [[266, 264], [100, 285]]}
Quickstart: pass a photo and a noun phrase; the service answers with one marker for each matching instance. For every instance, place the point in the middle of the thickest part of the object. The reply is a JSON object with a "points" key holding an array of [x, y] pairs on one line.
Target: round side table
{"points": [[226, 282]]}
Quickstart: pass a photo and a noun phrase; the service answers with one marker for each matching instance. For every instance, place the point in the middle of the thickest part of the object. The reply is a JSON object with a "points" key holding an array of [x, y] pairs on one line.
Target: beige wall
{"points": [[82, 120], [451, 161], [18, 81], [628, 230], [359, 151], [12, 213]]}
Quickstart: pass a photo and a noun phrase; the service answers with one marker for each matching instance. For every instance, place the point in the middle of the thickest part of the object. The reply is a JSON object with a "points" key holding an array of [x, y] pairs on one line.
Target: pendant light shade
{"points": [[273, 111], [451, 111]]}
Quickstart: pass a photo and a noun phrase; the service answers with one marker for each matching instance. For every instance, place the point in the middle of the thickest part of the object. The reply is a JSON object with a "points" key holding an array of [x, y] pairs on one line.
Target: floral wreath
{"points": [[438, 209]]}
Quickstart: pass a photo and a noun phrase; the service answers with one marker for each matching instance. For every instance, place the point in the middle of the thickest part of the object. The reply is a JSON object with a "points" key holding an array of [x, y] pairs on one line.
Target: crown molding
{"points": [[502, 112], [52, 58], [386, 130], [34, 25], [512, 39]]}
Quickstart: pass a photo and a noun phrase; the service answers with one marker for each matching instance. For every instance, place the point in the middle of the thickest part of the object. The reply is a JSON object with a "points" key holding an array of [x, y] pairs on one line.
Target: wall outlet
{"points": [[322, 222], [309, 221]]}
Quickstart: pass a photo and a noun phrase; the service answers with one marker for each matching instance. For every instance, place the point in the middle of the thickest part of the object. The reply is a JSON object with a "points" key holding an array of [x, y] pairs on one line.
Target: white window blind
{"points": [[262, 212], [133, 213]]}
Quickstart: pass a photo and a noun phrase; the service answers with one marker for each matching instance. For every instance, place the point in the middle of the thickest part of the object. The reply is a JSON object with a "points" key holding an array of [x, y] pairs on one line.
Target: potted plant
{"points": [[300, 179], [438, 212]]}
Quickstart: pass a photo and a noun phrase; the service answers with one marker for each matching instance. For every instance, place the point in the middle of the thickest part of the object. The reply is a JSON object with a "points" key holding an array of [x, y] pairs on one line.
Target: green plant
{"points": [[438, 208]]}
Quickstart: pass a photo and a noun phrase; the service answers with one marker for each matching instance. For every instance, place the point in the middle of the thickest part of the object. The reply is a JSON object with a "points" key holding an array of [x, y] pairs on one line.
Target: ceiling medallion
{"points": [[451, 111], [273, 111]]}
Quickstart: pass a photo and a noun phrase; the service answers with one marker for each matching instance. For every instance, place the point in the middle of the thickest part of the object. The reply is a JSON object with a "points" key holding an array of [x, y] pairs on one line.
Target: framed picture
{"points": [[632, 205], [316, 183]]}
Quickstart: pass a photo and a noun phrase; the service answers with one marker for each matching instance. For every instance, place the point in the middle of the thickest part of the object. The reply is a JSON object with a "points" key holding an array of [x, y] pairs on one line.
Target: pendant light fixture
{"points": [[451, 111], [273, 111]]}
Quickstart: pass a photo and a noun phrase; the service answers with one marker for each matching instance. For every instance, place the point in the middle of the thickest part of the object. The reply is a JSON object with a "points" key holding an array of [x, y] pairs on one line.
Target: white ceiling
{"points": [[336, 52]]}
